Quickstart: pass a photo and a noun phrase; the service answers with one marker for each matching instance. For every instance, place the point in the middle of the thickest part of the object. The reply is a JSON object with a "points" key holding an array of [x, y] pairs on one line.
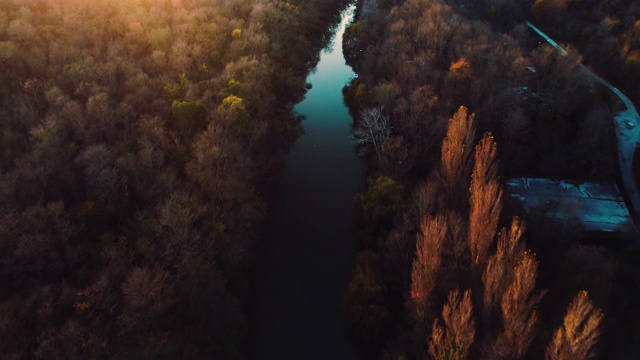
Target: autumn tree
{"points": [[456, 151], [147, 294], [579, 333], [519, 311], [453, 340], [548, 11], [137, 139], [485, 200], [534, 103], [427, 263], [499, 267]]}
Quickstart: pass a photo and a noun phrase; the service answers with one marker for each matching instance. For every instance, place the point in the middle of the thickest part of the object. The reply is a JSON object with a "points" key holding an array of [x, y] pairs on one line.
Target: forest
{"points": [[138, 141], [452, 98]]}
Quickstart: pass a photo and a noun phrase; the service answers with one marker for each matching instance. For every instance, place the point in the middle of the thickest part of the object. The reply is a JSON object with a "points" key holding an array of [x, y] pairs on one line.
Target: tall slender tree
{"points": [[427, 263], [579, 333], [519, 311], [456, 152], [452, 342], [485, 201]]}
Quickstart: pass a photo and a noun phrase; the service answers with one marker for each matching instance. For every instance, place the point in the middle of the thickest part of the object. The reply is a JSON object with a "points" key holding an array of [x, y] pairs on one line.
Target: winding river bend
{"points": [[310, 252]]}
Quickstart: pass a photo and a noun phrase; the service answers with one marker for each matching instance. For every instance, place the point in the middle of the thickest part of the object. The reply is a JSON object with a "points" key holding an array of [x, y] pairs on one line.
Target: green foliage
{"points": [[378, 207], [361, 94], [188, 117], [354, 42], [233, 87], [367, 309], [232, 104]]}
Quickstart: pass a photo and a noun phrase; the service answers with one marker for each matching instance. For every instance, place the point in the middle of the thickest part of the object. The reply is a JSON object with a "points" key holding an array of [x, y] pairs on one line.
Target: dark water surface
{"points": [[309, 255]]}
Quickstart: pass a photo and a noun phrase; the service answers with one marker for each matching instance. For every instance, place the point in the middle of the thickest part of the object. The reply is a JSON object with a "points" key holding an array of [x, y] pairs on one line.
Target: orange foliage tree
{"points": [[426, 265], [485, 200], [579, 333], [456, 337], [456, 151]]}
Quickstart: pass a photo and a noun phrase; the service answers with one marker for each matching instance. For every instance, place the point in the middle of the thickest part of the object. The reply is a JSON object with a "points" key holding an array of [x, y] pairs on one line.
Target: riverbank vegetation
{"points": [[137, 140], [443, 268], [607, 34]]}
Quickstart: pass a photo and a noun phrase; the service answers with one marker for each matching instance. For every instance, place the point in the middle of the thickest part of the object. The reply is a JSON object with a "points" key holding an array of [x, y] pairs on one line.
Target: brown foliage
{"points": [[457, 248], [519, 311], [148, 290], [427, 262], [499, 267], [456, 151], [396, 159], [120, 119], [485, 200], [373, 132], [579, 333], [453, 341], [427, 199], [548, 11]]}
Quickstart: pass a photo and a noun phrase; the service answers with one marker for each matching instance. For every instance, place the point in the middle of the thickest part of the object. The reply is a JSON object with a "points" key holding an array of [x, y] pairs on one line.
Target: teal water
{"points": [[309, 254]]}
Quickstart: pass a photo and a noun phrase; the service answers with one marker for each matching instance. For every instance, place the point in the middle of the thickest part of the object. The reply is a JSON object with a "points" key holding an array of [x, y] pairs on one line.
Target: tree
{"points": [[456, 151], [104, 182], [595, 144], [7, 50], [148, 292], [373, 132], [37, 241], [515, 128], [427, 263], [579, 333], [548, 11], [519, 311], [382, 202], [485, 201], [178, 217], [367, 311], [397, 158], [499, 269], [452, 342]]}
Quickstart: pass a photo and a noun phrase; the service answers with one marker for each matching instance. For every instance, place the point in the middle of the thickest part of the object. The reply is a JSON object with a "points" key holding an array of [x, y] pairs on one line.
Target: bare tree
{"points": [[373, 131]]}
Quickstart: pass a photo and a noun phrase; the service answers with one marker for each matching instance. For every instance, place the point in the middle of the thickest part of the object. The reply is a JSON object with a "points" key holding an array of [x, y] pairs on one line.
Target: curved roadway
{"points": [[627, 131]]}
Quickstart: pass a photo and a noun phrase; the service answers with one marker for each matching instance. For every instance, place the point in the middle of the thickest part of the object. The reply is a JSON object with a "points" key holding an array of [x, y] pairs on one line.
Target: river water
{"points": [[309, 255]]}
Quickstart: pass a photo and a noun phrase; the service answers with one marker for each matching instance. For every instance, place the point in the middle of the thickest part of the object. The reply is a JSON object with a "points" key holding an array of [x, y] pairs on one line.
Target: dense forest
{"points": [[447, 268], [138, 139], [606, 32]]}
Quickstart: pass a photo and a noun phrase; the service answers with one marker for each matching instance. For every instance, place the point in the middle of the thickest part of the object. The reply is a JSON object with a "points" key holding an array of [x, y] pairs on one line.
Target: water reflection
{"points": [[310, 253]]}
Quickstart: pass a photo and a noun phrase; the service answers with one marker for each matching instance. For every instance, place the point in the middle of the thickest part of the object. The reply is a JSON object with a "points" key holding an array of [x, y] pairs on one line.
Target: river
{"points": [[309, 254]]}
